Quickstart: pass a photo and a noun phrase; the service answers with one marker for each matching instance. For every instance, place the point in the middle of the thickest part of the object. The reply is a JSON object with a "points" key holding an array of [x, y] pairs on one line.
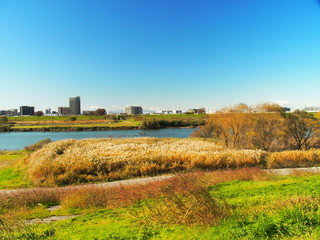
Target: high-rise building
{"points": [[26, 111], [133, 110], [74, 104]]}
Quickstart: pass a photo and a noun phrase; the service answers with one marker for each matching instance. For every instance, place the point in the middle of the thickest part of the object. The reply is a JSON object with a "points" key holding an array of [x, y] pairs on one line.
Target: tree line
{"points": [[269, 131]]}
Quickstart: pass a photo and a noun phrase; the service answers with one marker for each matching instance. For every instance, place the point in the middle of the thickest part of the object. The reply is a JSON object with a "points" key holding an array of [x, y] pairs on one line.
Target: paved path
{"points": [[49, 219], [107, 184], [287, 171], [280, 172]]}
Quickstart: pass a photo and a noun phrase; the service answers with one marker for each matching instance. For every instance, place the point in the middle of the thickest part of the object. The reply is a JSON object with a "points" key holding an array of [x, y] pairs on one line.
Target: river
{"points": [[18, 140]]}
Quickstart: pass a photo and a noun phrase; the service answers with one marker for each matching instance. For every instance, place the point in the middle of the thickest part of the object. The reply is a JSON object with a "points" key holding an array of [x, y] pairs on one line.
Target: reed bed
{"points": [[293, 159], [77, 161]]}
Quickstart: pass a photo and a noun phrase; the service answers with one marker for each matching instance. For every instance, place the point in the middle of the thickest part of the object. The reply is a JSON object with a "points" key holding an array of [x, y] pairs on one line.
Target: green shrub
{"points": [[38, 145]]}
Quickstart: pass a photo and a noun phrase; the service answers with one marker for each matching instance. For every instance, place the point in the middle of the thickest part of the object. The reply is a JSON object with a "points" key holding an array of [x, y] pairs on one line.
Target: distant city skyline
{"points": [[149, 108], [159, 54]]}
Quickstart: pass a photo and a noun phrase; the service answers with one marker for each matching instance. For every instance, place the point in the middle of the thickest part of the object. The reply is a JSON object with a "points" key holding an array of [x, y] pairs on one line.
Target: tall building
{"points": [[74, 104], [133, 110], [26, 111]]}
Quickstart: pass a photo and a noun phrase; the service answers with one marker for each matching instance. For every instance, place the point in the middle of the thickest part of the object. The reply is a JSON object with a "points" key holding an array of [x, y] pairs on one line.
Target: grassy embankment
{"points": [[72, 161], [239, 204], [80, 123]]}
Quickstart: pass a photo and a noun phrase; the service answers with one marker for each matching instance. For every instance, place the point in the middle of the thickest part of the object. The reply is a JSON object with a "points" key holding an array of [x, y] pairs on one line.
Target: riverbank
{"points": [[70, 128], [100, 123]]}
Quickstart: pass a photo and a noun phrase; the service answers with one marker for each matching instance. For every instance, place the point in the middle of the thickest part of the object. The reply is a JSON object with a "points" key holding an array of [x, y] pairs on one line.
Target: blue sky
{"points": [[159, 53]]}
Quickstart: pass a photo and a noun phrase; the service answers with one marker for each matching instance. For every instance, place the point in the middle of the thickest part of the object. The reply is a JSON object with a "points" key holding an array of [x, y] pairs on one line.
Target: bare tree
{"points": [[303, 128]]}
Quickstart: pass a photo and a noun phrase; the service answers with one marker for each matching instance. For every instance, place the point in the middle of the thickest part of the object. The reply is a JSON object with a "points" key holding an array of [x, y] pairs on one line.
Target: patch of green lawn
{"points": [[243, 191], [13, 170]]}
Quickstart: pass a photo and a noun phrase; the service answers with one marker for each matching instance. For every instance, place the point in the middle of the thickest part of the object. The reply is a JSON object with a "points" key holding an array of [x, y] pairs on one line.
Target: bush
{"points": [[184, 200], [5, 128], [3, 119], [38, 145], [150, 124]]}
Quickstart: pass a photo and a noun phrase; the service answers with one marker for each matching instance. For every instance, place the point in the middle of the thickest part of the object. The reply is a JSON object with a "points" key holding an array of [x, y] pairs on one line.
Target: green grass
{"points": [[140, 117], [282, 208], [53, 118], [107, 224], [236, 191], [130, 123], [13, 170]]}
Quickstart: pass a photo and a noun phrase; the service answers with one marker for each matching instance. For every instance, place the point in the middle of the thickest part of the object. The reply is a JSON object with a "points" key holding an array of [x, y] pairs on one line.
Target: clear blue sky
{"points": [[159, 53]]}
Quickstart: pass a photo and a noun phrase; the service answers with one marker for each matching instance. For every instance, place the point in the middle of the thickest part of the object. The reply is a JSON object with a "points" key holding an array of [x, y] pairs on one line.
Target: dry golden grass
{"points": [[289, 159], [75, 161]]}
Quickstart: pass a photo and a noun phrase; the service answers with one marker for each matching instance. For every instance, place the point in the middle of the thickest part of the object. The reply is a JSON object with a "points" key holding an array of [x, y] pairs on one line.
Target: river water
{"points": [[18, 140]]}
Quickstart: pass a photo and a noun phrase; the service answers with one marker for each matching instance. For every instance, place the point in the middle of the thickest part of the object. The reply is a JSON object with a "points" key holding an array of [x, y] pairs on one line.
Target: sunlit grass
{"points": [[13, 170], [126, 123]]}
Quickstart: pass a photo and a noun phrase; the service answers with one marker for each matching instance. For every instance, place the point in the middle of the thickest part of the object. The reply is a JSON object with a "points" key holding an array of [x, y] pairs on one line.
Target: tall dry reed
{"points": [[76, 161]]}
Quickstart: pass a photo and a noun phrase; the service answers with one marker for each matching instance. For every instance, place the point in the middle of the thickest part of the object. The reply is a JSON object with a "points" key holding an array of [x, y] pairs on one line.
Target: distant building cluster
{"points": [[312, 109], [73, 109], [24, 111], [169, 112], [10, 112]]}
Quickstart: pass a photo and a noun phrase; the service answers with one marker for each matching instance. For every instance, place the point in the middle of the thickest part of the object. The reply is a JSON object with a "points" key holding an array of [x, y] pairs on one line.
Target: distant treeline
{"points": [[162, 123]]}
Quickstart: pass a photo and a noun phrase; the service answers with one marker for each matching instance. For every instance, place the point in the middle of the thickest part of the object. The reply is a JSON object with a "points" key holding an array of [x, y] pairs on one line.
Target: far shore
{"points": [[79, 128]]}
